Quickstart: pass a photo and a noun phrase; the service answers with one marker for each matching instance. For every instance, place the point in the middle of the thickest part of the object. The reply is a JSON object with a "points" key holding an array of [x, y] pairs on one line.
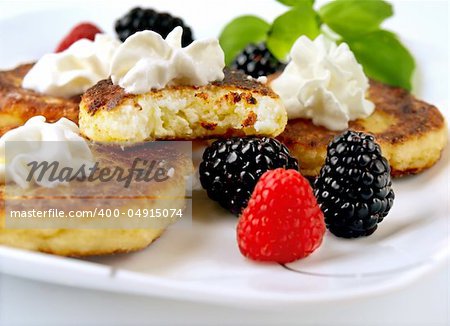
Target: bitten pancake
{"points": [[412, 133], [236, 106], [89, 238], [17, 104]]}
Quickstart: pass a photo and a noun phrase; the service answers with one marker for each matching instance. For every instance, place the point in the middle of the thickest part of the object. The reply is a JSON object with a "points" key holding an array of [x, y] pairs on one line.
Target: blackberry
{"points": [[354, 186], [231, 168], [139, 19], [256, 61]]}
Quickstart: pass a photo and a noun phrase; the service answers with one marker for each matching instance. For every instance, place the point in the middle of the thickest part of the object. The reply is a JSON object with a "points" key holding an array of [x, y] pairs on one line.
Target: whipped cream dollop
{"points": [[73, 71], [325, 83], [146, 61], [39, 141]]}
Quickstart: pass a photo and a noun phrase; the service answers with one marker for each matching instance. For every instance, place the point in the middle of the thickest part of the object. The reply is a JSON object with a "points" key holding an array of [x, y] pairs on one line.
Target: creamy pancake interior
{"points": [[236, 106]]}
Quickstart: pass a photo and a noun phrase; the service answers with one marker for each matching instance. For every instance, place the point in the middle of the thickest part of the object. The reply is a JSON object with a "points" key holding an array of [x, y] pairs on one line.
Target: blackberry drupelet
{"points": [[139, 19], [354, 186], [231, 168], [256, 61]]}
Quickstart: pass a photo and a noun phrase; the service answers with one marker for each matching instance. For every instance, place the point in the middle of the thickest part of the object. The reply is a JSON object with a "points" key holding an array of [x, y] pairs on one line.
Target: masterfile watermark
{"points": [[118, 186], [54, 172]]}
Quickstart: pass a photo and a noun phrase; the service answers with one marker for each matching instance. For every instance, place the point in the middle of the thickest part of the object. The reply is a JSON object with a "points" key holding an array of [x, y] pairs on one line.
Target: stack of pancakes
{"points": [[97, 235], [237, 106], [412, 135]]}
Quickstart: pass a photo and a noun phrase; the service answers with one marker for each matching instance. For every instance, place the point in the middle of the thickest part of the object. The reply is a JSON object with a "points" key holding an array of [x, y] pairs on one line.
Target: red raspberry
{"points": [[282, 221], [80, 31]]}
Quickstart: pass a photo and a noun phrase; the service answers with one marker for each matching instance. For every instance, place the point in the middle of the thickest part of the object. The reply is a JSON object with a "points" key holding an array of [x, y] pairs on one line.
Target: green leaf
{"points": [[287, 28], [293, 3], [355, 17], [384, 58], [240, 32]]}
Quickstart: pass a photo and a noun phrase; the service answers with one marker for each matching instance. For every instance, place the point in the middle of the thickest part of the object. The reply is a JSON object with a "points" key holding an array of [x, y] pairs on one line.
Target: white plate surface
{"points": [[203, 263]]}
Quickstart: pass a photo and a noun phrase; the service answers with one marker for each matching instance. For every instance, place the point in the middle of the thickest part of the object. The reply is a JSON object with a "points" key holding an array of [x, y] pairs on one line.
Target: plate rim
{"points": [[116, 280], [12, 258]]}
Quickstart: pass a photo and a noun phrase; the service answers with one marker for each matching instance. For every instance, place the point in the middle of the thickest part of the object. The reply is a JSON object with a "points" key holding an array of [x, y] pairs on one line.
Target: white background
{"points": [[426, 302]]}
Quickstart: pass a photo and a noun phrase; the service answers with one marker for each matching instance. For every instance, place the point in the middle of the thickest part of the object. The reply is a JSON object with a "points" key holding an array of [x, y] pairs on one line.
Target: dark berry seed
{"points": [[378, 166], [367, 178], [231, 158], [366, 193], [363, 160], [340, 148], [362, 210]]}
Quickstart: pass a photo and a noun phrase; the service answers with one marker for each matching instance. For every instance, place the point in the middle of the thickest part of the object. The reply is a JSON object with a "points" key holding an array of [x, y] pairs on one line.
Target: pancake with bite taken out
{"points": [[237, 106]]}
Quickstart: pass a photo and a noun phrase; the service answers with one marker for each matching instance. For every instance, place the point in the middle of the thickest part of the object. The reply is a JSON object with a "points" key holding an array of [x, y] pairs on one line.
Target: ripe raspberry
{"points": [[80, 31], [282, 221]]}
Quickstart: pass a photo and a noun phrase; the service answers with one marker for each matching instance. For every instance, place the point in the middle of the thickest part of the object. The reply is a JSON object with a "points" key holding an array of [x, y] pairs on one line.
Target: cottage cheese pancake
{"points": [[235, 106], [17, 104], [88, 237], [411, 133]]}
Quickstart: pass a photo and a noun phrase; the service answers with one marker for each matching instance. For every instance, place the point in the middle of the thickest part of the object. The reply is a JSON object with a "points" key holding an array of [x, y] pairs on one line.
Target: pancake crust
{"points": [[411, 133], [89, 240], [106, 96], [17, 104], [236, 106]]}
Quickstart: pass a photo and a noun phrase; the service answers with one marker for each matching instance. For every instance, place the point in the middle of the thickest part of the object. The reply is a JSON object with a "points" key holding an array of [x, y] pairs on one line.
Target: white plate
{"points": [[203, 263]]}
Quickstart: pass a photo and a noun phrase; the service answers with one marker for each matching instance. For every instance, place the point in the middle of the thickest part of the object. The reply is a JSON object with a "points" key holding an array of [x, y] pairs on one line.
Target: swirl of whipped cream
{"points": [[146, 61], [325, 83], [74, 70], [40, 141]]}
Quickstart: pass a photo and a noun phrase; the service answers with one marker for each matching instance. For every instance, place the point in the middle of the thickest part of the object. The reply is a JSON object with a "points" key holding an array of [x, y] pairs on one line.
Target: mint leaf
{"points": [[287, 28], [240, 32], [293, 3], [384, 58], [355, 17]]}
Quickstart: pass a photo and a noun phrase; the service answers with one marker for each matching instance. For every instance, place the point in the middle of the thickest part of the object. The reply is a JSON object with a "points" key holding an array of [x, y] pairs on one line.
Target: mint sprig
{"points": [[287, 28], [293, 3], [240, 32], [355, 22], [350, 18], [384, 58]]}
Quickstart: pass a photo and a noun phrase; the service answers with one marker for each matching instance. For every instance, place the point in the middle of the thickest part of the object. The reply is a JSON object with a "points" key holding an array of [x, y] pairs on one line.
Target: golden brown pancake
{"points": [[411, 133], [90, 239], [236, 106], [17, 104]]}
